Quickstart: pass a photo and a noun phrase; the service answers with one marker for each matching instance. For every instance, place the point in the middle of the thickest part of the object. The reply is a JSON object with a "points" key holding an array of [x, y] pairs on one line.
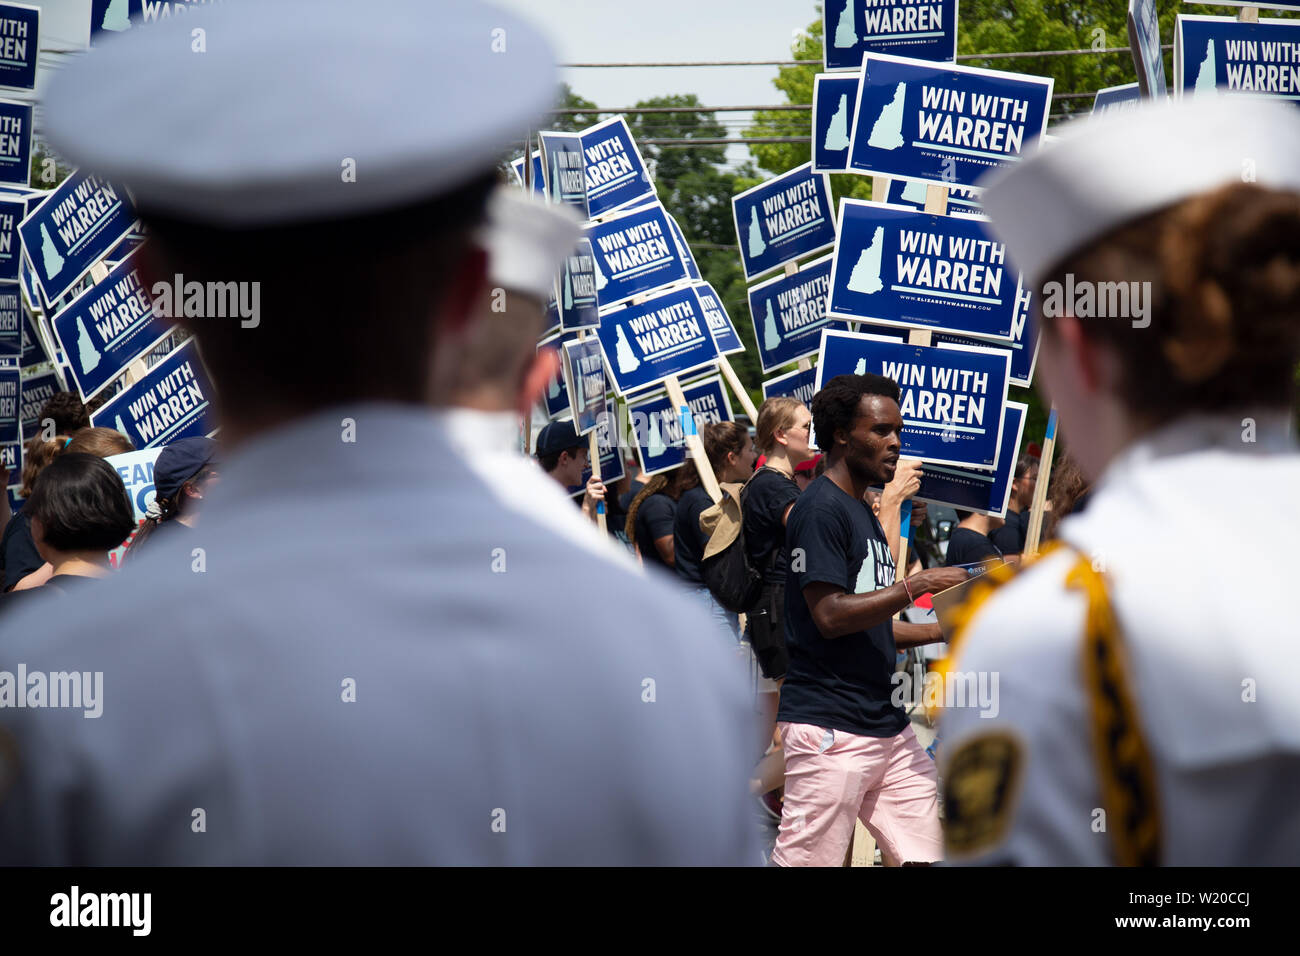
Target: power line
{"points": [[1028, 55]]}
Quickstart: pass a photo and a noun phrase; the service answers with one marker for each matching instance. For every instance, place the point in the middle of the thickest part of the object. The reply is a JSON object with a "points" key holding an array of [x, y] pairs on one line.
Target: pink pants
{"points": [[833, 777]]}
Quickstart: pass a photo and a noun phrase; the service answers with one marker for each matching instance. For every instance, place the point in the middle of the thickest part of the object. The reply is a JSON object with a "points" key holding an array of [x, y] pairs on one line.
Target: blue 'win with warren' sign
{"points": [[835, 97], [905, 268], [972, 489], [941, 123], [15, 143], [616, 173], [924, 29], [635, 252], [584, 371], [73, 228], [783, 219], [789, 314], [665, 335], [1216, 56], [659, 426], [173, 400], [952, 397], [20, 29]]}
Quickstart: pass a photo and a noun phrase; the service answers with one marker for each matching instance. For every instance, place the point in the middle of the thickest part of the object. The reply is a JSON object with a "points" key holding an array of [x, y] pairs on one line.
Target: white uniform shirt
{"points": [[1196, 532], [517, 699]]}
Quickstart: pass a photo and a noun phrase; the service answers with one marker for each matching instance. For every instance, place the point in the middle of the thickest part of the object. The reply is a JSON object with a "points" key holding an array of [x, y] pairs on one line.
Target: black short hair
{"points": [[82, 504], [320, 299], [67, 411], [552, 461], [1024, 465], [836, 405]]}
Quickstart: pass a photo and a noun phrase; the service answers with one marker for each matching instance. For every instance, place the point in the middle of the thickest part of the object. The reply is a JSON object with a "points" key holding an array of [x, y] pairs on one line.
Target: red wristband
{"points": [[908, 589]]}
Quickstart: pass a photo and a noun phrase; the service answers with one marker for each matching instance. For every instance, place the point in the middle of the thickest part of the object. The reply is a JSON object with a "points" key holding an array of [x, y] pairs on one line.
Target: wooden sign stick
{"points": [[1248, 14], [1035, 530], [693, 441], [733, 380]]}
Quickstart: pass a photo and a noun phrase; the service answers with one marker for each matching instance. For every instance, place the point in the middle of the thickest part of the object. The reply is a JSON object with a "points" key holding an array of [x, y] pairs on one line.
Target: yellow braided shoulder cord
{"points": [[1128, 780]]}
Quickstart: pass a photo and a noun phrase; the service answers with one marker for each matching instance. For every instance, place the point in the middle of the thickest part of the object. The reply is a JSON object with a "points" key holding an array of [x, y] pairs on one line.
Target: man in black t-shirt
{"points": [[850, 751], [970, 544]]}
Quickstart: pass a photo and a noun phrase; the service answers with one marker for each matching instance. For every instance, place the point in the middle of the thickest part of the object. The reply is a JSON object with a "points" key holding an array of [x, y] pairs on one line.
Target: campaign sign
{"points": [[170, 402], [10, 394], [73, 228], [835, 96], [20, 31], [38, 387], [667, 334], [1214, 55], [1144, 42], [616, 173], [924, 29], [659, 427], [1115, 99], [942, 123], [33, 351], [539, 180], [789, 313], [135, 468], [108, 327], [985, 492], [117, 16], [783, 219], [721, 327], [566, 182], [553, 320], [584, 375], [903, 192], [635, 252], [13, 210], [692, 268], [578, 305], [11, 323], [1023, 344], [555, 399], [15, 142], [905, 268], [952, 396], [801, 385], [1264, 4], [11, 460], [611, 458]]}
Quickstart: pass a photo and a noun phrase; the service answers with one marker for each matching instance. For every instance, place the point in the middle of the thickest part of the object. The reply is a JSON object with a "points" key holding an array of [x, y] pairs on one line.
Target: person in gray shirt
{"points": [[359, 656]]}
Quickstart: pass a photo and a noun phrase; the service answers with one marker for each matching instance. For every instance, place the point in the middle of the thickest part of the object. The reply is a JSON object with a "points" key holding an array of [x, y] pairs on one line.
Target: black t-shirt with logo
{"points": [[688, 539], [766, 497], [841, 683]]}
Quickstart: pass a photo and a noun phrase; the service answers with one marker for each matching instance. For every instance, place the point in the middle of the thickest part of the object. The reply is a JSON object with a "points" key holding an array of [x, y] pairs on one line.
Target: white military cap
{"points": [[527, 241], [260, 127], [1103, 172]]}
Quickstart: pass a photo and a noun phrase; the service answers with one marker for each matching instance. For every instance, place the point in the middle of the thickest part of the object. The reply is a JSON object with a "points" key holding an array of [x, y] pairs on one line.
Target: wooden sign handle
{"points": [[693, 441], [1035, 530], [936, 200], [733, 380], [1248, 14]]}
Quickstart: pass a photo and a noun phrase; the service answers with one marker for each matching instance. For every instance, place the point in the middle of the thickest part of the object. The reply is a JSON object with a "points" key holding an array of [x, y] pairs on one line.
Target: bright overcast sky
{"points": [[620, 31]]}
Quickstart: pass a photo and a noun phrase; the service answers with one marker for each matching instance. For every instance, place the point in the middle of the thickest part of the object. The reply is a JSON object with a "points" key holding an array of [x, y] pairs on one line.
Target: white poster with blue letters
{"points": [[1218, 56], [789, 314], [942, 123], [951, 399], [835, 97], [635, 252], [924, 29], [660, 428], [783, 219], [971, 489], [667, 334], [901, 267]]}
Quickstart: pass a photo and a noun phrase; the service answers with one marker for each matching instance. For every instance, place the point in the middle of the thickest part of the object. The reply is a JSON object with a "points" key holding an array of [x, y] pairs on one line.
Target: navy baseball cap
{"points": [[179, 462], [557, 437]]}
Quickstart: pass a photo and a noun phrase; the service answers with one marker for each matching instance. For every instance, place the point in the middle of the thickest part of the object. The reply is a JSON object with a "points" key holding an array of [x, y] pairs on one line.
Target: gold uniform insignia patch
{"points": [[979, 792]]}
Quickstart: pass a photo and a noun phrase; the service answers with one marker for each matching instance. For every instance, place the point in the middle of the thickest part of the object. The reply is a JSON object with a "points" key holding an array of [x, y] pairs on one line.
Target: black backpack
{"points": [[733, 581]]}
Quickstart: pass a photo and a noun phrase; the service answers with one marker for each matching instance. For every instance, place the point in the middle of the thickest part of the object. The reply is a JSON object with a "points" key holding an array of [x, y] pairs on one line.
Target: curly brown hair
{"points": [[1224, 269]]}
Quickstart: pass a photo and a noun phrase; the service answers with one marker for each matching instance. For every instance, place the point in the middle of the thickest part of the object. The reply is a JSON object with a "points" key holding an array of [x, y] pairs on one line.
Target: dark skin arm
{"points": [[837, 612], [664, 546]]}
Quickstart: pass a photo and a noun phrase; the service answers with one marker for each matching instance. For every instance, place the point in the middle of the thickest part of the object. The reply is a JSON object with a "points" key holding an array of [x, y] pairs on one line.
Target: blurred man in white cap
{"points": [[357, 671], [1147, 664], [491, 372]]}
